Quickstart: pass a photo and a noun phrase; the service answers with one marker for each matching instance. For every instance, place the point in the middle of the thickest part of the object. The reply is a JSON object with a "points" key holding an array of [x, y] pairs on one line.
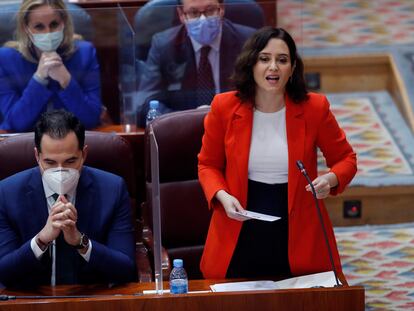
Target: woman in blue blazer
{"points": [[47, 68]]}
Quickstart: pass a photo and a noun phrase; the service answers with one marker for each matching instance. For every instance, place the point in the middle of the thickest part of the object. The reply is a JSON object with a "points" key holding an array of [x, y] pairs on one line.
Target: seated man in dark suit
{"points": [[189, 63], [63, 222]]}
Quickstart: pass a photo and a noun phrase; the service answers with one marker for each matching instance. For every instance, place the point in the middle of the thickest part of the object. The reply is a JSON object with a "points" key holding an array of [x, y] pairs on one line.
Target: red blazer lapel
{"points": [[295, 131], [241, 132]]}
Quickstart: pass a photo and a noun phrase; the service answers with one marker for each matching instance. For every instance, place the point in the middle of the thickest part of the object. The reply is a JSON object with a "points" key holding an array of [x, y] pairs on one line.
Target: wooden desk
{"points": [[321, 299]]}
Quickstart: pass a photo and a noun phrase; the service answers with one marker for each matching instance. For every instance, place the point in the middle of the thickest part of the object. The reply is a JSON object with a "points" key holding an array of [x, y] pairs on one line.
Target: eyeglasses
{"points": [[208, 12]]}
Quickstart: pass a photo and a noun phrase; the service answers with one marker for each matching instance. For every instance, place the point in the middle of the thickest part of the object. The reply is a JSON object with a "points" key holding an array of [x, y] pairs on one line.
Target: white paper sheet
{"points": [[324, 279], [258, 216], [244, 286]]}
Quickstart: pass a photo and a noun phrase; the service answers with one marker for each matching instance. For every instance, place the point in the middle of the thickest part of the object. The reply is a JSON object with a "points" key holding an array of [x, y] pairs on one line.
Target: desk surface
{"points": [[131, 298]]}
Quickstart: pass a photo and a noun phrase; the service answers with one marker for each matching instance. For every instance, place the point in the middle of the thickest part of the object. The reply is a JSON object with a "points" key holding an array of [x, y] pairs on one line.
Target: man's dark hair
{"points": [[243, 71], [57, 124]]}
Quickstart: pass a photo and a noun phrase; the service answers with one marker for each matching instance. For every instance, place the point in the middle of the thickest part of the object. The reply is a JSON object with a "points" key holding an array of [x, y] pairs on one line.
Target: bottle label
{"points": [[178, 286]]}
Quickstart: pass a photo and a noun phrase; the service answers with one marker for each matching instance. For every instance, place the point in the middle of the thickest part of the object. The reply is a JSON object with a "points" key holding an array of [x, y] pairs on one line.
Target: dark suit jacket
{"points": [[170, 72], [19, 90], [103, 206]]}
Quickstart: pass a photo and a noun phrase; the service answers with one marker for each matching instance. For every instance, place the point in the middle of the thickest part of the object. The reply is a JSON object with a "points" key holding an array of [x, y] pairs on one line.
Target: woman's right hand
{"points": [[47, 60], [231, 205]]}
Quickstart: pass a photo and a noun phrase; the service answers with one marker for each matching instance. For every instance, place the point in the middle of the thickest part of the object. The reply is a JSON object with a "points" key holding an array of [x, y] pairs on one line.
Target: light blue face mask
{"points": [[204, 30], [48, 42]]}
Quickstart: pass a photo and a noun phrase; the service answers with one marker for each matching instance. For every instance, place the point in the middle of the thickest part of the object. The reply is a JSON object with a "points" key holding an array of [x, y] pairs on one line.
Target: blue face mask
{"points": [[204, 30], [48, 42]]}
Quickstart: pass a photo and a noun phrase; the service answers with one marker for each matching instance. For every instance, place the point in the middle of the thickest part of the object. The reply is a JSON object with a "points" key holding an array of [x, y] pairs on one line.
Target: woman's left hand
{"points": [[323, 184], [59, 71]]}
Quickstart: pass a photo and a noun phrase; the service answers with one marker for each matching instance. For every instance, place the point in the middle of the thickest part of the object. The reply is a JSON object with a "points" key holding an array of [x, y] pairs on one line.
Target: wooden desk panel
{"points": [[321, 299]]}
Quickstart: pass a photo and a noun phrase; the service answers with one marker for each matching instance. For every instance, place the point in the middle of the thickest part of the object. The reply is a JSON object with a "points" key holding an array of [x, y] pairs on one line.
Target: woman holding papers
{"points": [[253, 138]]}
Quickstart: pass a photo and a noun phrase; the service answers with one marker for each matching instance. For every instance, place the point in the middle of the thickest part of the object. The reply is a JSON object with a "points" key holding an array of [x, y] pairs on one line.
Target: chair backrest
{"points": [[184, 213], [158, 15], [108, 152], [81, 21]]}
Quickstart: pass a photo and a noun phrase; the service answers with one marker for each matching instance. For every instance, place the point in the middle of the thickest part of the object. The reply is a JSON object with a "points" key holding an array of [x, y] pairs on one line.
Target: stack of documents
{"points": [[324, 279]]}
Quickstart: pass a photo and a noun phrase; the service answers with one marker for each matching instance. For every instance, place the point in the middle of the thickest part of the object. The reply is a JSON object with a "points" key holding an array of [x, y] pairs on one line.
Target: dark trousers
{"points": [[262, 247]]}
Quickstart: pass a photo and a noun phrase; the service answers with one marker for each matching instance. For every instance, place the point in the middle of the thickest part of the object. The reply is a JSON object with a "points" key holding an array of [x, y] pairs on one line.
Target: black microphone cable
{"points": [[302, 169], [9, 297]]}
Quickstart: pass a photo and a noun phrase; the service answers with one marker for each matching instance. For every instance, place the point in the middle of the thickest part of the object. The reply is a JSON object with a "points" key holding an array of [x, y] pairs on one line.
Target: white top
{"points": [[268, 159], [213, 57]]}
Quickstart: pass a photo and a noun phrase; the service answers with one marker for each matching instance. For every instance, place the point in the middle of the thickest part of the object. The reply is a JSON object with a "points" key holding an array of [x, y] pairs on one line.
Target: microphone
{"points": [[302, 169]]}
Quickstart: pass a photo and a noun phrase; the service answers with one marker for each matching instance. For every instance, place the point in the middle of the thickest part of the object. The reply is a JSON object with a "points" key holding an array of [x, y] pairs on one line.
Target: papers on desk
{"points": [[324, 279], [244, 286], [258, 216]]}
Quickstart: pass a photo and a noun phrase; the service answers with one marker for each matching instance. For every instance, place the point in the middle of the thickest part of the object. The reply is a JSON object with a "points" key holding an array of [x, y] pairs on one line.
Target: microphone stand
{"points": [[302, 169]]}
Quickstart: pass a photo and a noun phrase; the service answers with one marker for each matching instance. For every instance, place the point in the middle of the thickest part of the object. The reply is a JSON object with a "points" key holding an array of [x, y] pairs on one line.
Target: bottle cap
{"points": [[178, 263], [154, 104]]}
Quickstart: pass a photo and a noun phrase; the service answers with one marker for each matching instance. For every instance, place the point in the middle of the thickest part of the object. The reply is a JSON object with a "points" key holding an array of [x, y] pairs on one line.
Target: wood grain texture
{"points": [[346, 298]]}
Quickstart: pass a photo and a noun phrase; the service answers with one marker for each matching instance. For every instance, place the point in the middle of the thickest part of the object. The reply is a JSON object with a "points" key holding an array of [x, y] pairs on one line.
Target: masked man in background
{"points": [[189, 63], [63, 222]]}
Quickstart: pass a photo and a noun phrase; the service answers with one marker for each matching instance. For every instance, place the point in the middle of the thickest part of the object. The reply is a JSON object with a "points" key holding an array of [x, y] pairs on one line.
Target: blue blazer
{"points": [[170, 72], [23, 99], [104, 214]]}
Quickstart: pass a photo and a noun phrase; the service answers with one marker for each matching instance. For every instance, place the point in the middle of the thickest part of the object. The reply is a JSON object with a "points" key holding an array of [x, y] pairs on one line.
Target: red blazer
{"points": [[223, 164]]}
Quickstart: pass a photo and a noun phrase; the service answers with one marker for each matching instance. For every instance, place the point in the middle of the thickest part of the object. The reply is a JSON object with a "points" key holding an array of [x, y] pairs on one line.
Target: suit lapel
{"points": [[36, 204], [241, 133], [295, 129], [185, 55], [228, 47], [85, 193]]}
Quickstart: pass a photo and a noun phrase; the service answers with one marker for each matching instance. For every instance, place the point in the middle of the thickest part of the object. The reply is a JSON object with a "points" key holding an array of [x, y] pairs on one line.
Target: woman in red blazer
{"points": [[253, 138]]}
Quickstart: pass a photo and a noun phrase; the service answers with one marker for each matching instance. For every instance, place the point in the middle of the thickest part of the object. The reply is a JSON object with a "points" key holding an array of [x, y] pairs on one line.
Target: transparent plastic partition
{"points": [[16, 83], [155, 25], [149, 22], [166, 62], [127, 72], [156, 212]]}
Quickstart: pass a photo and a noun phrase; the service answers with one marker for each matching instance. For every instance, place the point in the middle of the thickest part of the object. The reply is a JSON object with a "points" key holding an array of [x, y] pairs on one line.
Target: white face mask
{"points": [[47, 42], [61, 180]]}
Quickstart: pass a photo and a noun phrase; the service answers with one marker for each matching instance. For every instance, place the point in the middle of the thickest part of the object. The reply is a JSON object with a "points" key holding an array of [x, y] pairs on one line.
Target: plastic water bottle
{"points": [[153, 111], [178, 278]]}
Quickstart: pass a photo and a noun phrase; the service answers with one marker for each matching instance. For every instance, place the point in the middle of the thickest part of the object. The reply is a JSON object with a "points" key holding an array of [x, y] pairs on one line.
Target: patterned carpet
{"points": [[380, 258], [328, 23], [379, 136]]}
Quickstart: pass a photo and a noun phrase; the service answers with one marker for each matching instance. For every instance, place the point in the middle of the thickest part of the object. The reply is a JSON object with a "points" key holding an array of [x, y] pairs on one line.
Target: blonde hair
{"points": [[23, 42]]}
